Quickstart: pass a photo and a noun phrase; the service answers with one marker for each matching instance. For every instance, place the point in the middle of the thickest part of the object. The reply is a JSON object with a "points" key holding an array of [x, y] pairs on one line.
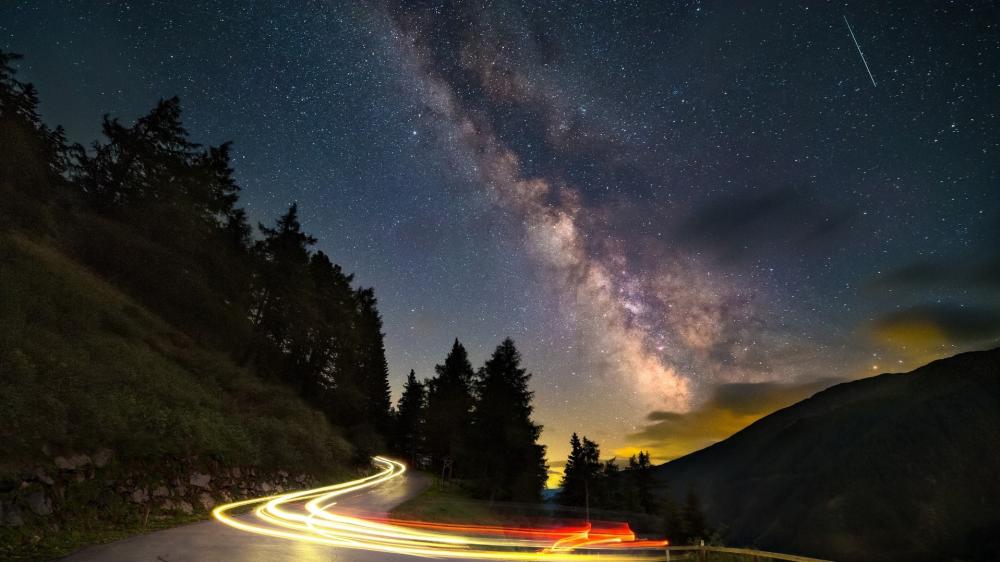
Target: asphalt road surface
{"points": [[215, 542]]}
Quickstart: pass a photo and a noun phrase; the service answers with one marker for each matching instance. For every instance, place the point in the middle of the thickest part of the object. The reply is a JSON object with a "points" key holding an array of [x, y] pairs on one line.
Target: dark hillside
{"points": [[893, 467]]}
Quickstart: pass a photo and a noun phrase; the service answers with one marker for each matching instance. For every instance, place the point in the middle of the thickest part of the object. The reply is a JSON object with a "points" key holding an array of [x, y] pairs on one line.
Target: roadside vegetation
{"points": [[447, 502]]}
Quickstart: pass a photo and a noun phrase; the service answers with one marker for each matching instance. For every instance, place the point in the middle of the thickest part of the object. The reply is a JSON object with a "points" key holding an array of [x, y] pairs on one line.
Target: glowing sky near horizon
{"points": [[686, 214]]}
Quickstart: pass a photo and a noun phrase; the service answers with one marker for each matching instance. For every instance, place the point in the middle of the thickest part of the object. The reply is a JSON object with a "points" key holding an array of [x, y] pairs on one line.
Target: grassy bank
{"points": [[84, 368], [447, 503]]}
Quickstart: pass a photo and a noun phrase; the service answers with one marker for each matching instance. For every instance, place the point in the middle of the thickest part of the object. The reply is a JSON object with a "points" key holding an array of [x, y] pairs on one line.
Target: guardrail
{"points": [[703, 554]]}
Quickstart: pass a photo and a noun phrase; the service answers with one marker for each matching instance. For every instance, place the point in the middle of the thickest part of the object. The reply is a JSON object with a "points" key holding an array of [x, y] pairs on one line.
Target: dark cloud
{"points": [[942, 274], [935, 324], [738, 224], [764, 397], [731, 407]]}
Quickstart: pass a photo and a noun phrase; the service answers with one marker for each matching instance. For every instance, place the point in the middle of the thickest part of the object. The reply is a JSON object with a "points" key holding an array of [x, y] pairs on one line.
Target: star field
{"points": [[657, 200]]}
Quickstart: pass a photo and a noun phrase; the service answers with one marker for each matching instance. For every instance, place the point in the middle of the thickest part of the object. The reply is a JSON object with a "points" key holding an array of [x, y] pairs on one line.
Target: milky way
{"points": [[665, 204]]}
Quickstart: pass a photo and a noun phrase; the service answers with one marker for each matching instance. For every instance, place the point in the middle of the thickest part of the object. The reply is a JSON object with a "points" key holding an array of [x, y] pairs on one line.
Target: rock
{"points": [[102, 457], [140, 495], [160, 492], [43, 477], [236, 472], [72, 462], [167, 505], [301, 479], [206, 501], [283, 473], [10, 515], [201, 480], [186, 507], [266, 486], [39, 503], [80, 461]]}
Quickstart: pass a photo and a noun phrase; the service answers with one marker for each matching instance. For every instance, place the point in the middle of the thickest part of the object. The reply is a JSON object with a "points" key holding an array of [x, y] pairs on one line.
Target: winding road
{"points": [[211, 541], [348, 521]]}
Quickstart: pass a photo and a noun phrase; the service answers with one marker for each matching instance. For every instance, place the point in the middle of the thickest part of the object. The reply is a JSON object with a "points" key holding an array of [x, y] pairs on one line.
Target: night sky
{"points": [[686, 214]]}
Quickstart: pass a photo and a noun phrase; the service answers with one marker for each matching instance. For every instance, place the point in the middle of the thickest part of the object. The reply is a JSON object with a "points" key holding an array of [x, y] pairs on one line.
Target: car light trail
{"points": [[310, 516]]}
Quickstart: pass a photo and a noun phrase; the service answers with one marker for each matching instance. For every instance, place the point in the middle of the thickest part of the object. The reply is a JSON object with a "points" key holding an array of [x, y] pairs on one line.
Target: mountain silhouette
{"points": [[899, 466]]}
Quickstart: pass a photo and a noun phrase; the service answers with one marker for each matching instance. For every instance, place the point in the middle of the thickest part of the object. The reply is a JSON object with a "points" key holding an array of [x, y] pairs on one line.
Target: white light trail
{"points": [[859, 52]]}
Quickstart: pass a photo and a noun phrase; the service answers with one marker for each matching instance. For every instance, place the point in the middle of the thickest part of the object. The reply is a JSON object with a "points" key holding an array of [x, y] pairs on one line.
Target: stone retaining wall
{"points": [[162, 490]]}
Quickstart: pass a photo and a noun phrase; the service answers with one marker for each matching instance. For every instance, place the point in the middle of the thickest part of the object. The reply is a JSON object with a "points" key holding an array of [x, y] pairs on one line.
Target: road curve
{"points": [[347, 521], [213, 541]]}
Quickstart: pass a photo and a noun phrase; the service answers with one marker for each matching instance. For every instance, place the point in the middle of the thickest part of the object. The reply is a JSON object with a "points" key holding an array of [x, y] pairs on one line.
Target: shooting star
{"points": [[859, 51]]}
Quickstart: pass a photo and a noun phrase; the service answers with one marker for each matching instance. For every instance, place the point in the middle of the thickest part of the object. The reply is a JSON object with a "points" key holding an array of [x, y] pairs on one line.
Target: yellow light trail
{"points": [[309, 516]]}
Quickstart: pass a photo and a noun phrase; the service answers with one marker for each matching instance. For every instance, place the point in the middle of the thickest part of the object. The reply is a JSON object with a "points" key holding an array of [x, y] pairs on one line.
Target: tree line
{"points": [[589, 482], [158, 215], [475, 425]]}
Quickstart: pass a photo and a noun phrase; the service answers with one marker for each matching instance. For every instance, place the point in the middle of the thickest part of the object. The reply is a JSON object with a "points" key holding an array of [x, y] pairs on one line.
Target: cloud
{"points": [[929, 325], [730, 408], [735, 225], [981, 274]]}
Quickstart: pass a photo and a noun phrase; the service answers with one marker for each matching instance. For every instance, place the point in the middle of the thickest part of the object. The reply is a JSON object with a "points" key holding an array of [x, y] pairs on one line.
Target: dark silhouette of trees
{"points": [[589, 482], [583, 473], [371, 368], [639, 496], [478, 426], [280, 294], [33, 157], [408, 435], [157, 214], [509, 462], [449, 408]]}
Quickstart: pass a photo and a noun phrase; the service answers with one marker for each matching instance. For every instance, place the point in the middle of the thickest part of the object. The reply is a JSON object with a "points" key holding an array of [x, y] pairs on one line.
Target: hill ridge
{"points": [[814, 476]]}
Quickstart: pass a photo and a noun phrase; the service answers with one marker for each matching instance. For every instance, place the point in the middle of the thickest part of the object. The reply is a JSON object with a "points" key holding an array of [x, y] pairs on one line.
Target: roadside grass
{"points": [[444, 502], [83, 367]]}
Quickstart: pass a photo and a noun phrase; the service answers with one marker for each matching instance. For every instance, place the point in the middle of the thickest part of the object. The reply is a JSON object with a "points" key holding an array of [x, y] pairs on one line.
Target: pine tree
{"points": [[449, 407], [510, 462], [640, 483], [32, 155], [330, 338], [373, 369], [582, 477], [410, 412], [280, 291], [18, 100], [571, 484]]}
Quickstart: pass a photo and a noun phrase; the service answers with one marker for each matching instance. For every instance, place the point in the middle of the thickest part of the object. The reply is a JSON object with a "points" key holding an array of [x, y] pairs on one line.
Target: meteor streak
{"points": [[309, 516], [859, 52]]}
